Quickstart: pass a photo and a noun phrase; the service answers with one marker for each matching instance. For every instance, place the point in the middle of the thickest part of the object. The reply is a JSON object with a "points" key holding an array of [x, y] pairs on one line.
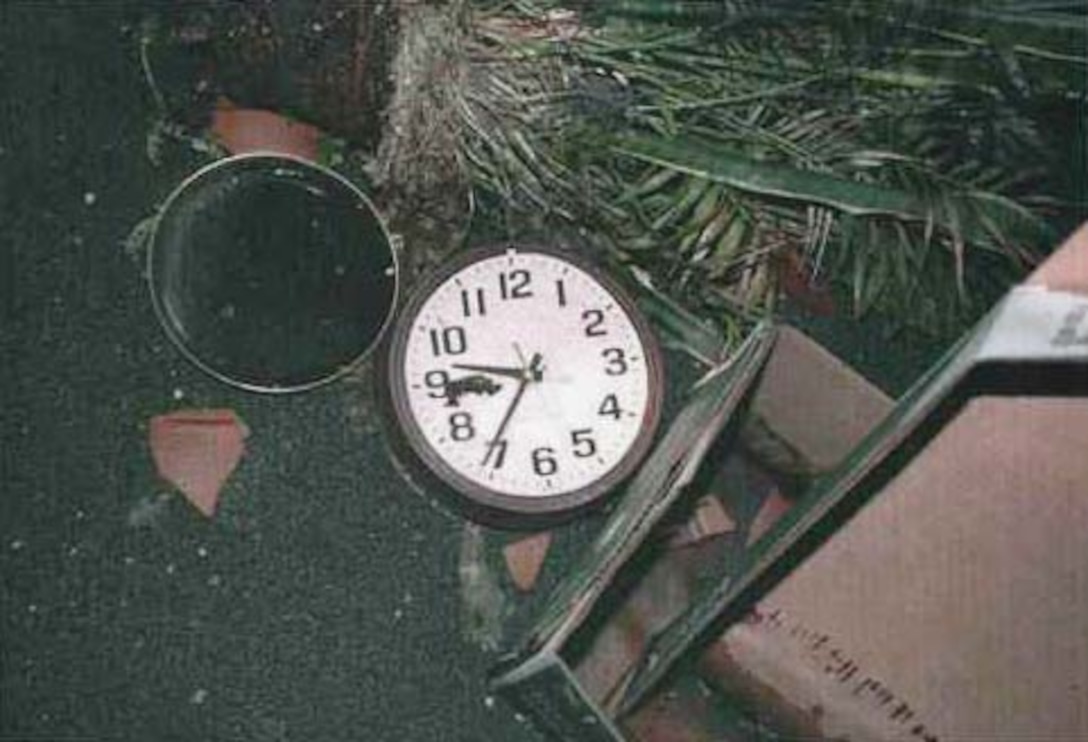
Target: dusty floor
{"points": [[321, 604]]}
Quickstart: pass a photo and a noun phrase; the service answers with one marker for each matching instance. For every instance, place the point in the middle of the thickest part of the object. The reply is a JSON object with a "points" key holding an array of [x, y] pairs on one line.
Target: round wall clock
{"points": [[525, 380]]}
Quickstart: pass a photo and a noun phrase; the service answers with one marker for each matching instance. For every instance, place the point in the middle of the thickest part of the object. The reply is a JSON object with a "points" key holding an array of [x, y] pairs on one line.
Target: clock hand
{"points": [[526, 376], [510, 371], [533, 369], [505, 420]]}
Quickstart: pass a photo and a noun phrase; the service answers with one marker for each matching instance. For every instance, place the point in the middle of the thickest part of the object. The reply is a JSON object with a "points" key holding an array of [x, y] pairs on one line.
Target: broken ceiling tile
{"points": [[196, 451], [241, 130], [524, 558]]}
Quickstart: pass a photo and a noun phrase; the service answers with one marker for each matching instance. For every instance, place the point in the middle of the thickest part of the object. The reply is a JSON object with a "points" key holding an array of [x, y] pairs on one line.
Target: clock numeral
{"points": [[584, 445], [461, 427], [595, 318], [544, 463], [617, 362], [468, 306], [437, 381], [515, 284], [561, 292], [498, 448], [610, 407], [450, 340]]}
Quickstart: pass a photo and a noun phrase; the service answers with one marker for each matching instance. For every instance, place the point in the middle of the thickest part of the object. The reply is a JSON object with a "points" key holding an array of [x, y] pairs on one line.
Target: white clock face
{"points": [[527, 377]]}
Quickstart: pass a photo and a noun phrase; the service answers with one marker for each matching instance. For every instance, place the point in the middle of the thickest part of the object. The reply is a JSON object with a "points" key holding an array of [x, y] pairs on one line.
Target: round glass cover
{"points": [[272, 273]]}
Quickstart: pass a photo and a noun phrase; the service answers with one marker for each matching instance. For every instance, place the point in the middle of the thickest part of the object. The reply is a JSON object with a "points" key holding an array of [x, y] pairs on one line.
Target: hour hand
{"points": [[509, 371]]}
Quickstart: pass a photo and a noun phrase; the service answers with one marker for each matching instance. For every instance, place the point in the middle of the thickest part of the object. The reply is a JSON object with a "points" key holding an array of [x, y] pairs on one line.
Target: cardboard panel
{"points": [[1066, 269], [953, 605], [815, 401]]}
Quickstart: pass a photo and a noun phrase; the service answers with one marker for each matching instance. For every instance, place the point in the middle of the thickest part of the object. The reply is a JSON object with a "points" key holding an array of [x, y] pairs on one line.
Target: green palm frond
{"points": [[898, 147]]}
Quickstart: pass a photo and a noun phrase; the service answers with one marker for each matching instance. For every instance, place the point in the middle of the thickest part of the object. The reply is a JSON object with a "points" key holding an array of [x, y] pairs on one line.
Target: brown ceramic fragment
{"points": [[196, 451], [773, 508], [524, 559], [241, 130]]}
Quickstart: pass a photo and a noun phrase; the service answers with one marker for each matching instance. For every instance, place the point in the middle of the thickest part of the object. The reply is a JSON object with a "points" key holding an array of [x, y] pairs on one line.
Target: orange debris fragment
{"points": [[242, 130], [525, 558], [773, 508], [196, 451]]}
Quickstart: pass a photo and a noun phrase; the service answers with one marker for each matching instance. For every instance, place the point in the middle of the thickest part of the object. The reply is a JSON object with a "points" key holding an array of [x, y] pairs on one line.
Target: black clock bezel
{"points": [[482, 498]]}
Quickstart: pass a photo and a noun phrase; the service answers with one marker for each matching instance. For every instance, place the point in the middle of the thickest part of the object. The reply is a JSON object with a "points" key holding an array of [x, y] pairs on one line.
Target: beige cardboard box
{"points": [[692, 524], [954, 604]]}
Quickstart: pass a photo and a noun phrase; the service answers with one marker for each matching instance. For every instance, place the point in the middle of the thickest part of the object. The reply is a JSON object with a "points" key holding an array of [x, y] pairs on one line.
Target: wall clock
{"points": [[525, 379]]}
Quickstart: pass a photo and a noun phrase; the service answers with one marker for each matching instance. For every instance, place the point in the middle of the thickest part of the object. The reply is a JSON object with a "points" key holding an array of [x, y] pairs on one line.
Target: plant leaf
{"points": [[704, 159]]}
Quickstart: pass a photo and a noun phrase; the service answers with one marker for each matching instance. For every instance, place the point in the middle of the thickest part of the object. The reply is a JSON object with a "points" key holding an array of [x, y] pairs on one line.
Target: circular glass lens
{"points": [[271, 273]]}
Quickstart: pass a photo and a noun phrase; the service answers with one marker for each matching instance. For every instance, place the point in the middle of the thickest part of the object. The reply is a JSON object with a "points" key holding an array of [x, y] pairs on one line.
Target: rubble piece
{"points": [[525, 558], [773, 508], [196, 451], [241, 130]]}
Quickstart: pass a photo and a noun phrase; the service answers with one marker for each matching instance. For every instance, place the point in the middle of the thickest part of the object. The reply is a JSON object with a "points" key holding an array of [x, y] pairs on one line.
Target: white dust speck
{"points": [[489, 701], [198, 697], [398, 614], [519, 718], [179, 394], [18, 544], [129, 561], [171, 569], [317, 27], [89, 198], [32, 608], [201, 552], [215, 581], [80, 515], [73, 551]]}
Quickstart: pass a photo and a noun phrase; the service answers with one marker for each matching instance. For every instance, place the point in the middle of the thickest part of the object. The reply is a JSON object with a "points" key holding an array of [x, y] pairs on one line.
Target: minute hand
{"points": [[508, 371], [526, 376], [505, 420]]}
